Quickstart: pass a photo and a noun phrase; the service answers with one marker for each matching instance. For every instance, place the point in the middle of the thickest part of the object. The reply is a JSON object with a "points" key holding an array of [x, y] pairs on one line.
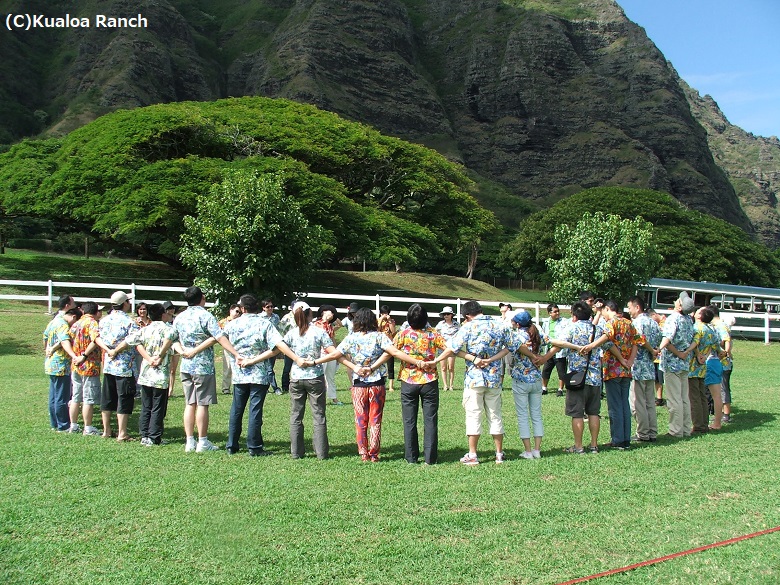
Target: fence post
{"points": [[537, 312], [766, 328], [378, 301], [132, 297], [50, 296], [457, 309]]}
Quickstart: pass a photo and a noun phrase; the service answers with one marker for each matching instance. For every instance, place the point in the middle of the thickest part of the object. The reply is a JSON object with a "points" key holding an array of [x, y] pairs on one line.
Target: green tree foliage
{"points": [[694, 246], [248, 236], [134, 175], [603, 253]]}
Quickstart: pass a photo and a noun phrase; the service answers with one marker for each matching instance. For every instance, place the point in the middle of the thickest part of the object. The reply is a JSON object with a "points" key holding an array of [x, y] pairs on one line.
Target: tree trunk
{"points": [[472, 260]]}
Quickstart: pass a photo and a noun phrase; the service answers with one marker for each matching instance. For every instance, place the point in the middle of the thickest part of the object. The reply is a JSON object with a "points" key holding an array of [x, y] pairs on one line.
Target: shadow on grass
{"points": [[21, 348]]}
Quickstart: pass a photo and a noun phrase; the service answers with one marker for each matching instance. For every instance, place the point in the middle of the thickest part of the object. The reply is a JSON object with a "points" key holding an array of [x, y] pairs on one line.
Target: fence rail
{"points": [[758, 324]]}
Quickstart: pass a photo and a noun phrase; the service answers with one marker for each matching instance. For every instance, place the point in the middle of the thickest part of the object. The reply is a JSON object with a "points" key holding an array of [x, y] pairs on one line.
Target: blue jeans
{"points": [[528, 405], [255, 395], [59, 395], [619, 410]]}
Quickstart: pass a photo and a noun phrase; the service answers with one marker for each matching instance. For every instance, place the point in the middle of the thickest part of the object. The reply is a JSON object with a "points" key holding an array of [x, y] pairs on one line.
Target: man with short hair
{"points": [[554, 328], [85, 374], [480, 338], [118, 390], [587, 401], [198, 377], [268, 313], [64, 303], [252, 334], [677, 337], [642, 395], [59, 353]]}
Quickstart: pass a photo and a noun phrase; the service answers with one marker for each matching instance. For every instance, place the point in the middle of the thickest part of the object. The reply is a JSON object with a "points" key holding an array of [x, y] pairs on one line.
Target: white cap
{"points": [[119, 298]]}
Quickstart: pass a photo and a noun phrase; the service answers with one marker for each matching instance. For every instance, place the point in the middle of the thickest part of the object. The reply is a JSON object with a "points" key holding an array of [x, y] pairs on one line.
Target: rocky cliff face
{"points": [[545, 97], [752, 164]]}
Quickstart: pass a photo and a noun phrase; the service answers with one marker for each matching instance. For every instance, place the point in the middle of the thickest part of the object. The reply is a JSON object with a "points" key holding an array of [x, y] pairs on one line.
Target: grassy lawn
{"points": [[77, 509]]}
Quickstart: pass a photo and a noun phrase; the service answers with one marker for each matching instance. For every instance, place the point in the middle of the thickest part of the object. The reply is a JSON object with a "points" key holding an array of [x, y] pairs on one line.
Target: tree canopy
{"points": [[603, 253], [694, 246], [134, 175]]}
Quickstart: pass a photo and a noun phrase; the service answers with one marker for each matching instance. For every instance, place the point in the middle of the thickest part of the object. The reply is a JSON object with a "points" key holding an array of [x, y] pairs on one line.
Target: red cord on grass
{"points": [[669, 557]]}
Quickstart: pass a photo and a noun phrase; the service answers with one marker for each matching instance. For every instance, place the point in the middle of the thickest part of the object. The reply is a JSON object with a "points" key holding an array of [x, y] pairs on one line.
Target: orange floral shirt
{"points": [[623, 335], [84, 332], [423, 345]]}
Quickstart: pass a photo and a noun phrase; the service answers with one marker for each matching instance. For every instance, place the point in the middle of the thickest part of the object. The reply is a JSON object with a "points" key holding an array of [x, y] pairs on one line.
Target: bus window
{"points": [[666, 297], [701, 299]]}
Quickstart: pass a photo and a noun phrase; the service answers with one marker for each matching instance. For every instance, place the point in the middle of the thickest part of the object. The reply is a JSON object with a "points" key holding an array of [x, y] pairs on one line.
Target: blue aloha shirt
{"points": [[252, 334], [286, 323], [725, 335], [708, 340], [153, 337], [58, 363], [447, 330], [362, 349], [274, 319], [679, 330], [194, 326], [580, 333], [114, 328], [524, 369], [483, 336], [644, 367], [308, 347]]}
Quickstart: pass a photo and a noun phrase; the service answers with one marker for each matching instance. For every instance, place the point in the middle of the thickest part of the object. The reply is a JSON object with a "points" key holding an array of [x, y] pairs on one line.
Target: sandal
{"points": [[125, 439], [574, 449]]}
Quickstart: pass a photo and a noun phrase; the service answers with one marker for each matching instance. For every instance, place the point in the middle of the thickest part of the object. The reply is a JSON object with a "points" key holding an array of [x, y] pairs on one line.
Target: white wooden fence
{"points": [[754, 325]]}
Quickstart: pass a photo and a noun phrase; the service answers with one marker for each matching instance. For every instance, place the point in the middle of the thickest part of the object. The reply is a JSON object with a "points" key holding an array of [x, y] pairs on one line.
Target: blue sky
{"points": [[729, 49]]}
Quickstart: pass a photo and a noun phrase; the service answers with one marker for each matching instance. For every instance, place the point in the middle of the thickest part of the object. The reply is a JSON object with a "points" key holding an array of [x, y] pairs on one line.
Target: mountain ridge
{"points": [[542, 97]]}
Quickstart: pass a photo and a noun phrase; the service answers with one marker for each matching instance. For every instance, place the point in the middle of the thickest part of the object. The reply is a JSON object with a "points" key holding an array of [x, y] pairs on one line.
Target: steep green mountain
{"points": [[539, 99]]}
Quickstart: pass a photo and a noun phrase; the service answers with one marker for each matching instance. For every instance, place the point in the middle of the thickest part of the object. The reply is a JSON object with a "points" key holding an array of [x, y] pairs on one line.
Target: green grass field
{"points": [[78, 510]]}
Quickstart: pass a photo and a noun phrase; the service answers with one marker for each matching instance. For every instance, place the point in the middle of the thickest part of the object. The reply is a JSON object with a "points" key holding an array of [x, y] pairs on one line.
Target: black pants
{"points": [[558, 364], [412, 395], [286, 373], [154, 405]]}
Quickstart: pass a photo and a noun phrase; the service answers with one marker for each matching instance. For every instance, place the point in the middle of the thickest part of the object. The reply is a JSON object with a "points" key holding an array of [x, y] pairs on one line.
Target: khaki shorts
{"points": [[479, 401], [85, 389], [200, 389]]}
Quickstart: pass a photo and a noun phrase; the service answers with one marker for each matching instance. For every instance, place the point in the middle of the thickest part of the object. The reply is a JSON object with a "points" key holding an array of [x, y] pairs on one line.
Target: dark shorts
{"points": [[659, 375], [580, 403], [117, 394]]}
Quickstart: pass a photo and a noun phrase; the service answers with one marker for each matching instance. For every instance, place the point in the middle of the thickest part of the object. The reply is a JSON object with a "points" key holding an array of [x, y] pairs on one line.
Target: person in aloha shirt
{"points": [[480, 338], [387, 326], [57, 365], [307, 381], [154, 343], [85, 376], [724, 330], [328, 321], [420, 386], [621, 341], [642, 396], [587, 401], [194, 326], [118, 390], [254, 336], [234, 312], [448, 327], [677, 337], [525, 342], [286, 323], [268, 313], [368, 349], [707, 372]]}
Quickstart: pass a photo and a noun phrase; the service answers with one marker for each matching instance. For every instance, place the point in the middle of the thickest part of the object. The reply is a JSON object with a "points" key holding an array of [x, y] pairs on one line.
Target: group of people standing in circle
{"points": [[141, 352]]}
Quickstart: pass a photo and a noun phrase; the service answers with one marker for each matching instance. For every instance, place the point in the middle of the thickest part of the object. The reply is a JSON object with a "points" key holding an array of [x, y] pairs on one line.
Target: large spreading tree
{"points": [[135, 174]]}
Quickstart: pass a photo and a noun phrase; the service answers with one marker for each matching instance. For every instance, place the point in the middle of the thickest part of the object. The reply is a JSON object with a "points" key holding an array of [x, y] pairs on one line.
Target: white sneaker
{"points": [[91, 431], [527, 455], [205, 445], [190, 446], [74, 428], [536, 454], [500, 457], [469, 459]]}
